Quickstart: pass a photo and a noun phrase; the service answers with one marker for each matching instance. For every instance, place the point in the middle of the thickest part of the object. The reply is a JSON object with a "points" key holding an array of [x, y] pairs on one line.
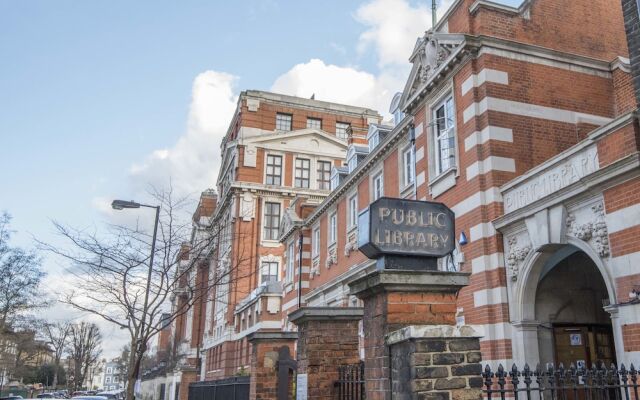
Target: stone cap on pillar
{"points": [[408, 281], [305, 314], [271, 336], [431, 332]]}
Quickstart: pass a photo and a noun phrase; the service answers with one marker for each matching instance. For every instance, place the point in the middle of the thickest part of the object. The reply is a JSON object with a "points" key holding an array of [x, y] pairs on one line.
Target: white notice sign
{"points": [[301, 387]]}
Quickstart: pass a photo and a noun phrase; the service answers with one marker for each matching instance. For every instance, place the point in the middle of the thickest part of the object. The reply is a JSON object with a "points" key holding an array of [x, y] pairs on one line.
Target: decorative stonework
{"points": [[332, 257], [593, 232], [516, 256], [352, 242], [315, 267]]}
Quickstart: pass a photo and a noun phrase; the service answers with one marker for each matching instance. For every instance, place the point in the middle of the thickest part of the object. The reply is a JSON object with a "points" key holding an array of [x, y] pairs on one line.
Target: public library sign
{"points": [[406, 229], [552, 179]]}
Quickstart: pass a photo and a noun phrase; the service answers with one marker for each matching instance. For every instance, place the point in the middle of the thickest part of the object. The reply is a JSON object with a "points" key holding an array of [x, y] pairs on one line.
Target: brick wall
{"points": [[632, 27]]}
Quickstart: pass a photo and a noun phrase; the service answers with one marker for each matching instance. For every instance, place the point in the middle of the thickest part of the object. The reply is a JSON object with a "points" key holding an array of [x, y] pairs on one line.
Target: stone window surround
{"points": [[440, 183], [402, 167], [283, 167], [377, 171], [269, 242]]}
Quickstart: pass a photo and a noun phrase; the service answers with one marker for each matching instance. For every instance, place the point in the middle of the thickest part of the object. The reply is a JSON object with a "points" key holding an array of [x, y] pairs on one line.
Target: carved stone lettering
{"points": [[552, 180]]}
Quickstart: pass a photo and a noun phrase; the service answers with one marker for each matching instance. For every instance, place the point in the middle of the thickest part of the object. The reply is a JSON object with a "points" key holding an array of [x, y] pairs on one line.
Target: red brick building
{"points": [[524, 122]]}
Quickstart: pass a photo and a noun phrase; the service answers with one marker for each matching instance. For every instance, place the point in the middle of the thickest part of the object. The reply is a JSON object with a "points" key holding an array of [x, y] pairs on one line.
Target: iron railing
{"points": [[350, 383], [562, 383]]}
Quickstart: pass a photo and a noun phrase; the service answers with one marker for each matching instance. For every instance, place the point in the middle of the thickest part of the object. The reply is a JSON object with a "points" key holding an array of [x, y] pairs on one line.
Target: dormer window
{"points": [[355, 154], [376, 134], [337, 175], [395, 110]]}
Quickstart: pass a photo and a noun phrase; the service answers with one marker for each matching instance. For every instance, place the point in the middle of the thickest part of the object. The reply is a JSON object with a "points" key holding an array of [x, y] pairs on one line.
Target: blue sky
{"points": [[100, 98]]}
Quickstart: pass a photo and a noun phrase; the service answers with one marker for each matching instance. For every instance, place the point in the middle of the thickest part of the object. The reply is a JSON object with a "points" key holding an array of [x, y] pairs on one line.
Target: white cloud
{"points": [[392, 29], [192, 163], [337, 84]]}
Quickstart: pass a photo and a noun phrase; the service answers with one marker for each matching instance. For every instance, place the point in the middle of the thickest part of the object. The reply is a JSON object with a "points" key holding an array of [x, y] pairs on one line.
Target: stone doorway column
{"points": [[525, 345], [266, 347], [327, 338], [396, 299]]}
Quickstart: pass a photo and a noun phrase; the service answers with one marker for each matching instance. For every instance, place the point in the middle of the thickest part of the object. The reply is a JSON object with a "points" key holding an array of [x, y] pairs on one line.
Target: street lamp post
{"points": [[121, 205]]}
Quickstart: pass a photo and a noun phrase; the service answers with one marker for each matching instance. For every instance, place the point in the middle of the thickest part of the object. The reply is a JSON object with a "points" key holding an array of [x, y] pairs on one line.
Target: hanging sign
{"points": [[400, 227]]}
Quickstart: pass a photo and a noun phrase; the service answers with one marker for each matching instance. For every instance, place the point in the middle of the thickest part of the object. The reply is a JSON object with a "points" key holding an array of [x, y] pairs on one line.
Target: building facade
{"points": [[112, 378], [522, 120]]}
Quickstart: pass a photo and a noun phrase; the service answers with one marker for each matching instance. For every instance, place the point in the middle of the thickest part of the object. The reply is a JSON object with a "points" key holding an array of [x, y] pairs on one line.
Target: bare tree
{"points": [[57, 336], [114, 268], [85, 341], [20, 277]]}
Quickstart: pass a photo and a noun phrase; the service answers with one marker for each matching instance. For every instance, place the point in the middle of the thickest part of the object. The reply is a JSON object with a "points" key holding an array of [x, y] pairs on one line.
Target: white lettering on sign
{"points": [[550, 181]]}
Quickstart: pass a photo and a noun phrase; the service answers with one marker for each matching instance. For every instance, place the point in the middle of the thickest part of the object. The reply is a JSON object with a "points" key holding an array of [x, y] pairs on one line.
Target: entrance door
{"points": [[583, 345]]}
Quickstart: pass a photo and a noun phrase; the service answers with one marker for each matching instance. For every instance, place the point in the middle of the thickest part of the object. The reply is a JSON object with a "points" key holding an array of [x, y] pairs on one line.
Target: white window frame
{"points": [[332, 232], [302, 169], [449, 133], [316, 242], [319, 172], [346, 125], [378, 186], [353, 211], [374, 141], [408, 166], [266, 163], [264, 221], [269, 262], [313, 121], [290, 122]]}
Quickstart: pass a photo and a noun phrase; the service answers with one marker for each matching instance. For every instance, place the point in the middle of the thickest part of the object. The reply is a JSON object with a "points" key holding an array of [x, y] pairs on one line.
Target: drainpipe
{"points": [[300, 240], [412, 137]]}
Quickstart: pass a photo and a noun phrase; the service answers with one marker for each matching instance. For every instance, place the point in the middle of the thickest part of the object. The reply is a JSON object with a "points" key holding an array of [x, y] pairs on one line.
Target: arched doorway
{"points": [[570, 297]]}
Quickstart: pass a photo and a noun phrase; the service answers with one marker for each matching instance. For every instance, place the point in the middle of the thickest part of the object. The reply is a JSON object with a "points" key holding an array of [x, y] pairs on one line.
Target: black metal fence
{"points": [[562, 383], [236, 388], [350, 383]]}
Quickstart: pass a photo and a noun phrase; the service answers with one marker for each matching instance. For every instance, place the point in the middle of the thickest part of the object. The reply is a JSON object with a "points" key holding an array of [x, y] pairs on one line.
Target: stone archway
{"points": [[538, 306]]}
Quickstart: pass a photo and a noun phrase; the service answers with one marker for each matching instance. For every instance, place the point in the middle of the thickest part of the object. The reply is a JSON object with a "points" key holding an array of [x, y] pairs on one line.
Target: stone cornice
{"points": [[306, 314], [408, 281]]}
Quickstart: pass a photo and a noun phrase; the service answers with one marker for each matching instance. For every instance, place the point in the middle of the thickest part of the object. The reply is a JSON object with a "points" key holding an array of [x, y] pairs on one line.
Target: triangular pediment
{"points": [[430, 53], [305, 141]]}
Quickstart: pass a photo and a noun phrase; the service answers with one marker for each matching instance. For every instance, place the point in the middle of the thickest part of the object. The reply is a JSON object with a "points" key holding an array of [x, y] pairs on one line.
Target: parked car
{"points": [[10, 397], [85, 397], [113, 394], [47, 396]]}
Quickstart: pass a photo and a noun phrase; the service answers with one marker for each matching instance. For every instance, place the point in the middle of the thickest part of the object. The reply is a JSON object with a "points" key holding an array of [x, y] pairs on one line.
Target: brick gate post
{"points": [[328, 338], [395, 299], [264, 361]]}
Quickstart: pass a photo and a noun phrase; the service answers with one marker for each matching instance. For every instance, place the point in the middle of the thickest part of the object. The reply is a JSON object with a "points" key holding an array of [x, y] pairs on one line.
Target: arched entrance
{"points": [[559, 309], [573, 326]]}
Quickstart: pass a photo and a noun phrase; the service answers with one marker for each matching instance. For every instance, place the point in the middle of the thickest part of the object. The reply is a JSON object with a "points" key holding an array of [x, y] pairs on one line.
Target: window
{"points": [[290, 260], [314, 123], [283, 122], [108, 380], [352, 162], [408, 166], [444, 135], [353, 211], [271, 221], [378, 188], [341, 130], [269, 272], [303, 167], [333, 228], [316, 242], [335, 181], [324, 175], [274, 170], [374, 141], [115, 379], [109, 370]]}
